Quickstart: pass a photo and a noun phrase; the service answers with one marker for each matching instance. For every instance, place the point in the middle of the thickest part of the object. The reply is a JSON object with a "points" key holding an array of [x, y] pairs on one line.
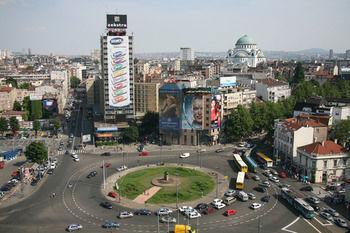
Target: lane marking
{"points": [[324, 224], [285, 228], [312, 225]]}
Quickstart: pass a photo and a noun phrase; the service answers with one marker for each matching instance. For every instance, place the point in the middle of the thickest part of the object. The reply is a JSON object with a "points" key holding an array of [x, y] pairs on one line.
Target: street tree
{"points": [[36, 110], [342, 132], [36, 127], [56, 125], [150, 124], [14, 125], [130, 134], [4, 124], [239, 124], [299, 75], [37, 152], [17, 106], [74, 82]]}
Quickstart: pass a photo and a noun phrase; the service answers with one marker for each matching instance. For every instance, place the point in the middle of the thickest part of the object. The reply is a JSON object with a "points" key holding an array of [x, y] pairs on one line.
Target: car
{"points": [[230, 212], [265, 184], [219, 150], [260, 189], [283, 185], [208, 210], [76, 159], [122, 168], [113, 194], [230, 193], [249, 145], [71, 135], [219, 205], [74, 155], [256, 178], [216, 201], [192, 214], [255, 206], [106, 154], [167, 219], [201, 206], [266, 198], [315, 207], [273, 172], [307, 188], [251, 196], [340, 222], [91, 174], [267, 174], [74, 227], [125, 214], [110, 224], [164, 211], [201, 150], [184, 209], [229, 200], [185, 155], [144, 153], [313, 200], [241, 144], [50, 171], [274, 179], [326, 215], [282, 174], [106, 165], [332, 212], [106, 205], [143, 212]]}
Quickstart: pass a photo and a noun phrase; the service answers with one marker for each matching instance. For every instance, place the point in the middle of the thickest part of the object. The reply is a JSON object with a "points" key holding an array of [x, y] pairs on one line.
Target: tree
{"points": [[24, 86], [14, 125], [36, 110], [130, 134], [150, 124], [26, 104], [17, 106], [4, 124], [238, 125], [342, 131], [74, 82], [56, 125], [36, 127], [299, 75], [36, 152], [11, 81]]}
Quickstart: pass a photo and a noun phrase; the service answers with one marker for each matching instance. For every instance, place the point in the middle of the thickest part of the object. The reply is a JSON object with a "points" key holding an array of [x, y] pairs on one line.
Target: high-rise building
{"points": [[117, 71], [330, 54], [186, 54], [347, 54]]}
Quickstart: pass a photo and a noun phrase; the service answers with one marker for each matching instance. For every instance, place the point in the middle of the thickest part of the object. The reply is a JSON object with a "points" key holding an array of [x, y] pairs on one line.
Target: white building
{"points": [[186, 54], [272, 90], [245, 53], [323, 161], [232, 97]]}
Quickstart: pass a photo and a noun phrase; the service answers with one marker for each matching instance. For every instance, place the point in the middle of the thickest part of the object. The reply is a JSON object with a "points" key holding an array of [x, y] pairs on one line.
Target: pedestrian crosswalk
{"points": [[81, 151]]}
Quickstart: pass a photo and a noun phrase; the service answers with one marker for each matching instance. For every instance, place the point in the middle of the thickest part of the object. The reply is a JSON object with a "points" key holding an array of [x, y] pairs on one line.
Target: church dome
{"points": [[240, 55], [245, 40]]}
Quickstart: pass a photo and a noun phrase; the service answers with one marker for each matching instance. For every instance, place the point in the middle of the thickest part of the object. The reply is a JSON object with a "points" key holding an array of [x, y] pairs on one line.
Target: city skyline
{"points": [[66, 27]]}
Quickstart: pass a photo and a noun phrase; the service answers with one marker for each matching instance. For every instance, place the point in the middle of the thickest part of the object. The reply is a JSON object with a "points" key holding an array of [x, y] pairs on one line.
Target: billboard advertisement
{"points": [[215, 111], [169, 111], [192, 112], [228, 81], [116, 21], [118, 71]]}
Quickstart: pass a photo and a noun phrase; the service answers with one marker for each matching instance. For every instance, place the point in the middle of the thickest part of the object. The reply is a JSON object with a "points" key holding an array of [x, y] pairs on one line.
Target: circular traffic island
{"points": [[165, 185]]}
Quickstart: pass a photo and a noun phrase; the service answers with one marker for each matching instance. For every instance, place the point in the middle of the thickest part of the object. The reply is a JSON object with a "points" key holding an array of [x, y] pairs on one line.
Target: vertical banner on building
{"points": [[215, 111], [192, 112], [118, 71]]}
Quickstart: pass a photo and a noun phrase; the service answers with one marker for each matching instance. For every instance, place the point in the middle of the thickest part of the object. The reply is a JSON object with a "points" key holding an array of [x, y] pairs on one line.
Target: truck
{"points": [[183, 229]]}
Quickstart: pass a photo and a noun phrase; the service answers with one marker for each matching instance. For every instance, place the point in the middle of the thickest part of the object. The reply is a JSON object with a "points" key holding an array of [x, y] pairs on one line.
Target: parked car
{"points": [[201, 206], [265, 184], [192, 214], [340, 222], [219, 205], [251, 196], [92, 174], [230, 193], [167, 219], [74, 227], [76, 159], [164, 211], [143, 212], [216, 201], [122, 168], [255, 206], [307, 188], [184, 209], [313, 200], [274, 179], [230, 212], [110, 224], [266, 198], [106, 165], [106, 205], [185, 155], [282, 174], [326, 216], [208, 210], [219, 150], [256, 178], [125, 214], [260, 189], [113, 194], [332, 212]]}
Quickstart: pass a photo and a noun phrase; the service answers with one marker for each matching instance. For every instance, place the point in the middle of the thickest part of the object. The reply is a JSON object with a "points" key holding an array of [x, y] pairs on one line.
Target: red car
{"points": [[230, 212], [282, 174], [143, 153], [106, 165], [113, 194]]}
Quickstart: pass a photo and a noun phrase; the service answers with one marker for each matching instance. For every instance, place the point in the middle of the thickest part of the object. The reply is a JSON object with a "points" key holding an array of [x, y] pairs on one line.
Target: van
{"points": [[242, 196], [229, 200]]}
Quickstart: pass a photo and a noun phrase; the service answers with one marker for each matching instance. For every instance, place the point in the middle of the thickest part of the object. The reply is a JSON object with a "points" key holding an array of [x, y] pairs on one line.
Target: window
{"points": [[335, 163], [314, 164], [325, 164]]}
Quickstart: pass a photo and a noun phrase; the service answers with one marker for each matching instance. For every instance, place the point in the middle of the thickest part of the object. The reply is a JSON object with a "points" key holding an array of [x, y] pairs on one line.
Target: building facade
{"points": [[272, 90], [146, 98], [7, 98], [186, 54]]}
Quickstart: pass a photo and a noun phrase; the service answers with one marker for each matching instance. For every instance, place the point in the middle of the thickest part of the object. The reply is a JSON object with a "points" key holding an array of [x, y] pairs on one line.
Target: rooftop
{"points": [[323, 148], [295, 124], [272, 82]]}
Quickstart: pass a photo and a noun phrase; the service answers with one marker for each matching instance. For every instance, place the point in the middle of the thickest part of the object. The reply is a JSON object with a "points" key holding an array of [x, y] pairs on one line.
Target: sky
{"points": [[73, 27]]}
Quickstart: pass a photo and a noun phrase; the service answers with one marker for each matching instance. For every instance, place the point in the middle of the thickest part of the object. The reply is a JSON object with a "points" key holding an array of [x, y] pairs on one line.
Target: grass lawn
{"points": [[193, 185]]}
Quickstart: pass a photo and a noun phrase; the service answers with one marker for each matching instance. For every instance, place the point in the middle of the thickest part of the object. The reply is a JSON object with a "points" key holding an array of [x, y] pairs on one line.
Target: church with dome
{"points": [[245, 53]]}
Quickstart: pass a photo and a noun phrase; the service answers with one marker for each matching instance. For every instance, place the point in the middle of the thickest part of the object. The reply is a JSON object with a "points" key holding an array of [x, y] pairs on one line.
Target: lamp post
{"points": [[177, 197]]}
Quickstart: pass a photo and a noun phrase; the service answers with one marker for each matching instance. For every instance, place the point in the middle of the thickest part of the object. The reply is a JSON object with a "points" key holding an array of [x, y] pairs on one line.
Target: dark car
{"points": [[219, 150], [260, 189], [50, 171], [266, 198], [201, 206], [106, 154], [208, 210], [110, 224], [315, 207], [106, 205], [92, 174], [143, 212], [307, 188]]}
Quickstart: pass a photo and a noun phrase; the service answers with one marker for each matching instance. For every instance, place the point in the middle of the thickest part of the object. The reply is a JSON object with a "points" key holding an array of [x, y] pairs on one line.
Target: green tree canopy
{"points": [[37, 152], [342, 131], [17, 106], [4, 124], [26, 104], [36, 109], [11, 81], [239, 124], [130, 134], [14, 124], [150, 124], [74, 82], [298, 73], [36, 126], [56, 124], [24, 86]]}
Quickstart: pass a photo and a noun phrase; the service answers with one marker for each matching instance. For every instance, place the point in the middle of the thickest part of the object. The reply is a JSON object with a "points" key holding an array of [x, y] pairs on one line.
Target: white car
{"points": [[274, 179], [125, 214], [76, 159], [256, 178], [255, 206], [219, 205], [216, 201], [185, 155], [74, 155], [230, 193], [265, 184], [251, 196], [74, 227], [184, 209], [193, 214], [122, 168], [164, 211]]}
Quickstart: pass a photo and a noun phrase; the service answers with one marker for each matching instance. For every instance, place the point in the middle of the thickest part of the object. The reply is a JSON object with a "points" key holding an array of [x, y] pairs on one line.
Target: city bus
{"points": [[251, 163], [264, 159], [298, 203], [240, 163], [240, 181]]}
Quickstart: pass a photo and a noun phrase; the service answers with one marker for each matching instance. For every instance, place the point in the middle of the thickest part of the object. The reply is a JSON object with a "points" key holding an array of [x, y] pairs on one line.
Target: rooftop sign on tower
{"points": [[116, 21]]}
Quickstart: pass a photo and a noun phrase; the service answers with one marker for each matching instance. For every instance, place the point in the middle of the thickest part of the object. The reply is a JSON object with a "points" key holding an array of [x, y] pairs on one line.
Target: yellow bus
{"points": [[240, 181], [242, 166], [264, 159]]}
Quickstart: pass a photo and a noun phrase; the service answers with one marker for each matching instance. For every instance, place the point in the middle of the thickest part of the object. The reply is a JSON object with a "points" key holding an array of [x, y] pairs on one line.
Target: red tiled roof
{"points": [[272, 82], [5, 89], [295, 124], [324, 148], [320, 118]]}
